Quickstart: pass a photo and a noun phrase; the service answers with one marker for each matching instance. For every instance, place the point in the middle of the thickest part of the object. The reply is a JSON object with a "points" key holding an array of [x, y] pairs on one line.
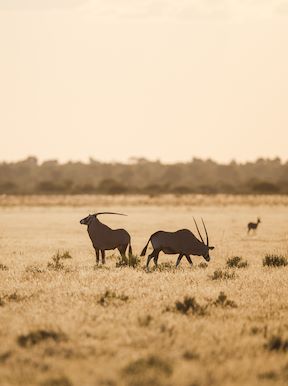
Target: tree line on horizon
{"points": [[141, 176]]}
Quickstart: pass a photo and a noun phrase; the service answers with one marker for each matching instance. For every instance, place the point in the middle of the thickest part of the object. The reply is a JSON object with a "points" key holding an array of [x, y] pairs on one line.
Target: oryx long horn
{"points": [[198, 230], [205, 232], [118, 214]]}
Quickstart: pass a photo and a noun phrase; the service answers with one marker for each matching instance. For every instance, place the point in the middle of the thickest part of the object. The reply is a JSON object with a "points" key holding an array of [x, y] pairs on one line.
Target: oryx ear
{"points": [[211, 248]]}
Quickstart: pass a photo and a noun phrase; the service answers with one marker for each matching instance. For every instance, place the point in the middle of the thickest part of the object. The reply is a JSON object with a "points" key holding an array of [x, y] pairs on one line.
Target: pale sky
{"points": [[162, 79]]}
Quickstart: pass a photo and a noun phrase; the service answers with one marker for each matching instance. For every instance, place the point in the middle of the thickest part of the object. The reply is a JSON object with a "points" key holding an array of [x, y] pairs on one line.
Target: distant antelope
{"points": [[182, 242], [104, 238], [253, 225]]}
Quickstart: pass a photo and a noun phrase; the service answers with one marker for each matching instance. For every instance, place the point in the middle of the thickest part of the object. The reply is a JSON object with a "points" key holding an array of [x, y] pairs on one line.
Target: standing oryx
{"points": [[253, 225], [182, 242], [104, 238]]}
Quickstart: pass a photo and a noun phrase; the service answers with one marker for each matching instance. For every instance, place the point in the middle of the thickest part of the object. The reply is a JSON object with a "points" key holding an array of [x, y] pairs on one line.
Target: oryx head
{"points": [[206, 247], [87, 220]]}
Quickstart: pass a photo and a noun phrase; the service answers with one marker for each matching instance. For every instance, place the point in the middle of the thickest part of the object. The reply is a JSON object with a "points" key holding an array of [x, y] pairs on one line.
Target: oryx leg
{"points": [[103, 255], [97, 256], [179, 259], [122, 250], [153, 254], [189, 260], [156, 256]]}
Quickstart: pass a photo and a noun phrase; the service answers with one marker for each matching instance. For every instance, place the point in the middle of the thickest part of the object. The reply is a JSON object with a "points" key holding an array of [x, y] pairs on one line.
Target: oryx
{"points": [[182, 242], [104, 238]]}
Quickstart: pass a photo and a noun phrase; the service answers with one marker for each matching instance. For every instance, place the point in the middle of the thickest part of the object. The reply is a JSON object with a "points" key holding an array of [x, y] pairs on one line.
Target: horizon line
{"points": [[139, 159]]}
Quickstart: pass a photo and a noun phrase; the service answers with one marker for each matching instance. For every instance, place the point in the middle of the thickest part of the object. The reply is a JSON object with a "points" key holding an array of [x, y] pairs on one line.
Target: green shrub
{"points": [[109, 296], [274, 261], [190, 305], [56, 263], [236, 262], [36, 337], [130, 261], [223, 275], [224, 302], [277, 343]]}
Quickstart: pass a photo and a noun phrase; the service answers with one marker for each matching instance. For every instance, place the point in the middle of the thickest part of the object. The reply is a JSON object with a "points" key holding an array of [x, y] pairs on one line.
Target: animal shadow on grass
{"points": [[275, 261], [35, 337], [148, 371]]}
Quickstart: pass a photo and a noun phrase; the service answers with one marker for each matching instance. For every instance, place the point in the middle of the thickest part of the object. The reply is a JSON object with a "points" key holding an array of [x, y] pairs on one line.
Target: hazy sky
{"points": [[161, 79]]}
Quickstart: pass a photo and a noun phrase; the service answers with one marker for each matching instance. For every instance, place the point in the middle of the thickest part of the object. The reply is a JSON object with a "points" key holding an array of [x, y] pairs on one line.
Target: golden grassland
{"points": [[91, 200], [108, 326]]}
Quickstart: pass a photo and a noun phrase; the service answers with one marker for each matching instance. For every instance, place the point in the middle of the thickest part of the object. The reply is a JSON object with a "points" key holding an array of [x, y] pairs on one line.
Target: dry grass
{"points": [[110, 327]]}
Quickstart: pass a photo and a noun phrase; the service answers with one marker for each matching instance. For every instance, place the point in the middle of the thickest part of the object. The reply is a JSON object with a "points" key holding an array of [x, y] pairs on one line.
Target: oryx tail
{"points": [[143, 253]]}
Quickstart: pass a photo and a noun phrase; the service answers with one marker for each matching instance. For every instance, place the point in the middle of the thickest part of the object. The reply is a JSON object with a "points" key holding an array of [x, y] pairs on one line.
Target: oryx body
{"points": [[182, 242], [104, 238]]}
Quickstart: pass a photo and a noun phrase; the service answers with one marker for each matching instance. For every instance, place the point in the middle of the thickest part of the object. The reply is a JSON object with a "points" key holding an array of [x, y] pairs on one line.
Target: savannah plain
{"points": [[67, 322]]}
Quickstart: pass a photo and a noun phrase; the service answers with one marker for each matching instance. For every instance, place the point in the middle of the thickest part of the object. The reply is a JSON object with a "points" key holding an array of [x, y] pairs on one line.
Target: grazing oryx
{"points": [[253, 225], [182, 242], [104, 238]]}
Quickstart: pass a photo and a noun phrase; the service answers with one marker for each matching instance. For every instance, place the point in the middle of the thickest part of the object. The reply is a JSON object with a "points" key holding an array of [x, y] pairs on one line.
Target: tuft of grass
{"points": [[65, 255], [33, 269], [224, 302], [190, 355], [109, 296], [236, 262], [14, 297], [223, 275], [277, 343], [62, 381], [203, 265], [38, 336], [130, 261], [5, 356], [275, 261], [3, 267], [145, 321], [56, 263], [190, 305], [147, 371]]}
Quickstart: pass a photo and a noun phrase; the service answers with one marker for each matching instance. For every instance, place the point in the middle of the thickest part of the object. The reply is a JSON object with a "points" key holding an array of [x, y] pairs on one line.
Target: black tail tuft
{"points": [[143, 253], [130, 250]]}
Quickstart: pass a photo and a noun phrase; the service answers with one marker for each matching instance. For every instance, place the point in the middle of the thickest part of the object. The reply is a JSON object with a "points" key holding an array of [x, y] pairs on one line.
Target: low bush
{"points": [[277, 343], [223, 275], [224, 302], [190, 305], [130, 261], [38, 336], [110, 296], [56, 263], [236, 262], [275, 261]]}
